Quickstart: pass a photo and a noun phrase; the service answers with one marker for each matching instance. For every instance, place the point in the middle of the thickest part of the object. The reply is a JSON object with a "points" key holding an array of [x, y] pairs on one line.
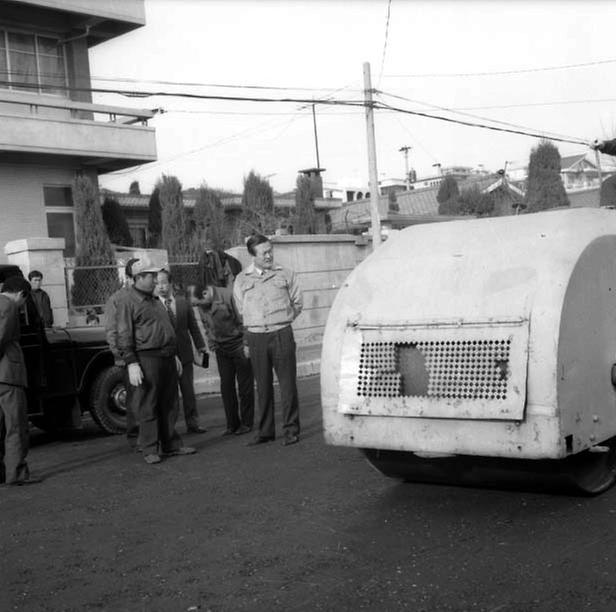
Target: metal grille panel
{"points": [[470, 369]]}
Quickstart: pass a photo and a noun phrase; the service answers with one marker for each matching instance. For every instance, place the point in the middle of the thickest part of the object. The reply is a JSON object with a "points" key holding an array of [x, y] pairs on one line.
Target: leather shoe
{"points": [[243, 429], [197, 429], [228, 431], [152, 459], [260, 440], [183, 450], [288, 440], [22, 483]]}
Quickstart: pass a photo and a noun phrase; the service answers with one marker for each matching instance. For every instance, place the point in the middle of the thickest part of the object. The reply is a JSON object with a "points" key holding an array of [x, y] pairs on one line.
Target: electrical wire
{"points": [[571, 140], [217, 85], [472, 116], [500, 72], [223, 141], [183, 94], [385, 43]]}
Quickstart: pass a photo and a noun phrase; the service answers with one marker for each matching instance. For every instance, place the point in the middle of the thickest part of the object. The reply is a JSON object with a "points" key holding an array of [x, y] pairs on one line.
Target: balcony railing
{"points": [[77, 109]]}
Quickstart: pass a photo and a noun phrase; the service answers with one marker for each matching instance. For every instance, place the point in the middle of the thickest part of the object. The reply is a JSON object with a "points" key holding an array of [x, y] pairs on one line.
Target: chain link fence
{"points": [[89, 287]]}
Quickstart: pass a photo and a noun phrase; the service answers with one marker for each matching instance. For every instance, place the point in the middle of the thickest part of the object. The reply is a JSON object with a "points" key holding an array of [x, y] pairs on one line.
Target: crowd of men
{"points": [[151, 329]]}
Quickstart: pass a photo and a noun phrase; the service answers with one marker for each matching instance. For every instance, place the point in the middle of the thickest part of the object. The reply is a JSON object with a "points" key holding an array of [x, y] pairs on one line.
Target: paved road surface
{"points": [[306, 527]]}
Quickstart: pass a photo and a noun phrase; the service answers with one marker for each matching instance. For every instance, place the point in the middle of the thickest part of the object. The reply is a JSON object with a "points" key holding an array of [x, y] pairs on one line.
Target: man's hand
{"points": [[135, 374], [178, 365], [246, 351]]}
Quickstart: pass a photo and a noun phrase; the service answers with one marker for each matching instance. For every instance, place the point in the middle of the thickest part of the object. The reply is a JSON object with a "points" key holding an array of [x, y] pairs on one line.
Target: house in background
{"points": [[50, 131]]}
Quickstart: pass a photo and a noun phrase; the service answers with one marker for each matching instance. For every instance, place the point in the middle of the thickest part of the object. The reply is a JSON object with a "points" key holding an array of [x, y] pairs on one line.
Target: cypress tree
{"points": [[115, 223], [91, 287], [209, 218], [304, 206], [181, 243], [447, 196], [544, 187], [154, 219], [258, 204]]}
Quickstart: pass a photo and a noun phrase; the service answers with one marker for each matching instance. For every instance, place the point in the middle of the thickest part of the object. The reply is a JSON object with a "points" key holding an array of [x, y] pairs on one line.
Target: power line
{"points": [[217, 85], [25, 73], [222, 141], [479, 125], [500, 72], [385, 43], [451, 110], [184, 94]]}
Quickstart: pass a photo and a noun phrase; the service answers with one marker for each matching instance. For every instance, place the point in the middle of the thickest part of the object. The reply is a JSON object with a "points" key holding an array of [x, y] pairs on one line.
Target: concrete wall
{"points": [[44, 255], [322, 263], [21, 200]]}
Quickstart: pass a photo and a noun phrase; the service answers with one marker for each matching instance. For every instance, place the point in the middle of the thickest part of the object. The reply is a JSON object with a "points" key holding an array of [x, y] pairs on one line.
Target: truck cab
{"points": [[70, 371]]}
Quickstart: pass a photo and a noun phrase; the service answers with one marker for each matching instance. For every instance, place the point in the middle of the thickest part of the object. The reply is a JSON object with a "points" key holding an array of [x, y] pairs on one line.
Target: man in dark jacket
{"points": [[183, 318], [41, 298], [13, 381], [147, 344], [111, 333], [225, 334]]}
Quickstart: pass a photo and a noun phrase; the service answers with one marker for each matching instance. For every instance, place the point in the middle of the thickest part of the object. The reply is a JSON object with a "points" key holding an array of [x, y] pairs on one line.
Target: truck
{"points": [[481, 352], [70, 371]]}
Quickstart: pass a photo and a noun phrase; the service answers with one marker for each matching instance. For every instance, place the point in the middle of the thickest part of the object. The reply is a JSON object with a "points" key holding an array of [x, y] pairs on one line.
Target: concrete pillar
{"points": [[46, 256]]}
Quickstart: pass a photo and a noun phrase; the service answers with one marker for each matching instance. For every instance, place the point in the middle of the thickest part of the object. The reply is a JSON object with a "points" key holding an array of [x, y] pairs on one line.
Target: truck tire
{"points": [[108, 400]]}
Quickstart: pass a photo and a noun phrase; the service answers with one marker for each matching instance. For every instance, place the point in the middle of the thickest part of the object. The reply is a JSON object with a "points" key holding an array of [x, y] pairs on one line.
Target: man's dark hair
{"points": [[165, 271], [35, 274], [254, 241], [128, 269], [16, 284]]}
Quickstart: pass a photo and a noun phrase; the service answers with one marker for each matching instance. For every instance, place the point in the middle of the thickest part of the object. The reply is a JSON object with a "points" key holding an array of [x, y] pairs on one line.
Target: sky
{"points": [[433, 55]]}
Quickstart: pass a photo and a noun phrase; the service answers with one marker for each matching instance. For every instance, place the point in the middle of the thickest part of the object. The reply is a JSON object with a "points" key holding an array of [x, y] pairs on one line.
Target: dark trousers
{"points": [[156, 399], [132, 424], [275, 350], [234, 366], [13, 434], [189, 401]]}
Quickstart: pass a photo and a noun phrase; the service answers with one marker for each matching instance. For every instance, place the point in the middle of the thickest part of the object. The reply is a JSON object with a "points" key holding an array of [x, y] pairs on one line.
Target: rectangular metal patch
{"points": [[452, 370]]}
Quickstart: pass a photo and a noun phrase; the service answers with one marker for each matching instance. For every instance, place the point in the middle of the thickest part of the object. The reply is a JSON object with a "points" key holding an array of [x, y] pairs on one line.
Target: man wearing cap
{"points": [[268, 298], [111, 332], [147, 344]]}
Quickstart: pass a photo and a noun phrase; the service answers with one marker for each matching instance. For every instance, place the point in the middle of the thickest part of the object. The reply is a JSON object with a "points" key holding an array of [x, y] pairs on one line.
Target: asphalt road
{"points": [[305, 527]]}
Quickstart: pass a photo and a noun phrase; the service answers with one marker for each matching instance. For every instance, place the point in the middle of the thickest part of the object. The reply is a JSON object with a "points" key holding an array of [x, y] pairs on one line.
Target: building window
{"points": [[30, 62], [58, 201]]}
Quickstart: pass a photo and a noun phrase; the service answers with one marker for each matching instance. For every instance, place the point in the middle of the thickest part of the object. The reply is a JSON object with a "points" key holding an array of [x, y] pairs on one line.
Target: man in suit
{"points": [[13, 381], [185, 324]]}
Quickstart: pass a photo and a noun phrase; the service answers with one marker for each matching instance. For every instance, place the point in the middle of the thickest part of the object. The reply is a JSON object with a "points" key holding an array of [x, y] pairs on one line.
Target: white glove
{"points": [[135, 374]]}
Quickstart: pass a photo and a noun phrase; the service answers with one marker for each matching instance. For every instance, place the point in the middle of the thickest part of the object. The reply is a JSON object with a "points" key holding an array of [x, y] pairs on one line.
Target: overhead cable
{"points": [[460, 112], [494, 128], [499, 72], [384, 43]]}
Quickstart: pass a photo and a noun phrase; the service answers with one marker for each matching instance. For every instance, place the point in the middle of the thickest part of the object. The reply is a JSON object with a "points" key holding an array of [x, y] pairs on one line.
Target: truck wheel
{"points": [[108, 400], [593, 473]]}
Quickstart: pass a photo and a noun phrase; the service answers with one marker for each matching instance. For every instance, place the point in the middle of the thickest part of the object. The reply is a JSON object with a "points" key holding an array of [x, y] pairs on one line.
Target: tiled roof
{"points": [[138, 201], [571, 160]]}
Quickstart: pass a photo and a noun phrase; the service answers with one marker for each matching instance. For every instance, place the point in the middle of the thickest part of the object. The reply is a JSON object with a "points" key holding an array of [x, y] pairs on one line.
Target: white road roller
{"points": [[480, 351]]}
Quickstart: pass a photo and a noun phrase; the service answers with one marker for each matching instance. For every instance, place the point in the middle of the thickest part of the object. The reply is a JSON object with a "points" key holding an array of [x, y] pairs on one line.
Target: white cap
{"points": [[144, 264]]}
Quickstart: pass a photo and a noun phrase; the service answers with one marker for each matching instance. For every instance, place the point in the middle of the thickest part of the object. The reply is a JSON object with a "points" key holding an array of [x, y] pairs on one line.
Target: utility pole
{"points": [[598, 161], [405, 149], [316, 137], [374, 177]]}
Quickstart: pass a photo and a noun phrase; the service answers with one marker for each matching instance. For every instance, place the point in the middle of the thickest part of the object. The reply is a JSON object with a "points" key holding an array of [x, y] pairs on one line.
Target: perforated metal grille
{"points": [[450, 369]]}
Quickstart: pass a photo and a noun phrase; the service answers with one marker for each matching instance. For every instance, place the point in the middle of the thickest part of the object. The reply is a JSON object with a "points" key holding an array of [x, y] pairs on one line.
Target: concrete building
{"points": [[50, 131]]}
